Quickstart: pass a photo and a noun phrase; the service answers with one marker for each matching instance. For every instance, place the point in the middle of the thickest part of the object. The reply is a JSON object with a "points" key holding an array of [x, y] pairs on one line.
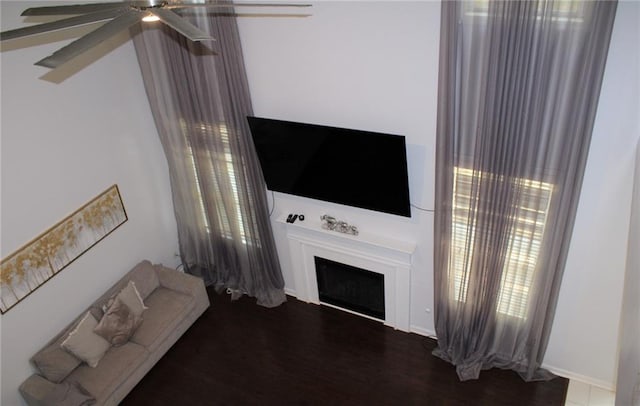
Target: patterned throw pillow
{"points": [[118, 323]]}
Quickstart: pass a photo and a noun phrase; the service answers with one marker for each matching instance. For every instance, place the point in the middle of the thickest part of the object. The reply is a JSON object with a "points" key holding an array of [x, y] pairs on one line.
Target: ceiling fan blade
{"points": [[60, 24], [106, 31], [258, 14], [223, 5], [72, 9], [181, 25]]}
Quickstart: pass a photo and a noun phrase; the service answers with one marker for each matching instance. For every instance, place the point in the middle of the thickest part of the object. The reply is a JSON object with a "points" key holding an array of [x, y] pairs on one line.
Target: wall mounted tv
{"points": [[351, 167]]}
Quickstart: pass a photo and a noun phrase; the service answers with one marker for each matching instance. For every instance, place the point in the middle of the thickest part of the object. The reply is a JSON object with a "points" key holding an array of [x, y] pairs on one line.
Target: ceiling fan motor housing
{"points": [[148, 4]]}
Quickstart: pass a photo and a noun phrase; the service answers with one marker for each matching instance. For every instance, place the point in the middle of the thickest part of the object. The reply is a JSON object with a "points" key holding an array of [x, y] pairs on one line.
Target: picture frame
{"points": [[35, 263]]}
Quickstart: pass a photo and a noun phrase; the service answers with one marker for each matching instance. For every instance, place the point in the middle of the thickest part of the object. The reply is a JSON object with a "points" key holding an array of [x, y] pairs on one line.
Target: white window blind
{"points": [[561, 11], [525, 238], [230, 218]]}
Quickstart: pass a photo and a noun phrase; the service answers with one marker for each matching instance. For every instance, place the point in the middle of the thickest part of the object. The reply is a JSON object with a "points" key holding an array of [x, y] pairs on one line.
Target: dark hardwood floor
{"points": [[239, 353]]}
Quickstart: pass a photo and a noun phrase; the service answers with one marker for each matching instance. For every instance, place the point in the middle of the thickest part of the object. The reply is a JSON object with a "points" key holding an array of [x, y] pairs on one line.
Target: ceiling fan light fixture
{"points": [[149, 18]]}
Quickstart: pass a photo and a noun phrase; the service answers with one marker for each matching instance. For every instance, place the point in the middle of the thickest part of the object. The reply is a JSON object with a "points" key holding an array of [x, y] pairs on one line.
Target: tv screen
{"points": [[351, 167]]}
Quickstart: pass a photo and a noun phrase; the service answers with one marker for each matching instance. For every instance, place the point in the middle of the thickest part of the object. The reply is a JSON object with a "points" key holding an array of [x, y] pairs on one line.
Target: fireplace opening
{"points": [[351, 288]]}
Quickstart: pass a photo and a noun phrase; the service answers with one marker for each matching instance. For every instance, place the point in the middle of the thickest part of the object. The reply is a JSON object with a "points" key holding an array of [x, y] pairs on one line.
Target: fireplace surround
{"points": [[368, 251]]}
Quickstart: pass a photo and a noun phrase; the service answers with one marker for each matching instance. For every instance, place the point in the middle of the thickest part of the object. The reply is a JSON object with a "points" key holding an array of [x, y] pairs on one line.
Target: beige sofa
{"points": [[174, 301]]}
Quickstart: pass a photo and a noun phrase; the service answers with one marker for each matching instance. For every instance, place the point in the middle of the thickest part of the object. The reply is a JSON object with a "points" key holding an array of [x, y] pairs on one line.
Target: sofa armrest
{"points": [[178, 281], [184, 283], [35, 389]]}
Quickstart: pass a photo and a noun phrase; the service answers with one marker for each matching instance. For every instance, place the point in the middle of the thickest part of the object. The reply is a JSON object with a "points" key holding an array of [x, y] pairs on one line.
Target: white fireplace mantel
{"points": [[371, 251]]}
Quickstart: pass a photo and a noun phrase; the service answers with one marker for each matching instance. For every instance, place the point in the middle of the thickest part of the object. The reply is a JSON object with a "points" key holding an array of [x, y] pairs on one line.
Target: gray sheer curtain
{"points": [[200, 100], [519, 85]]}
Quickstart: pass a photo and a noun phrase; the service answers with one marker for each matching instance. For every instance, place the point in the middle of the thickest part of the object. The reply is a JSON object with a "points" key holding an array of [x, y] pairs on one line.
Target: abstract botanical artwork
{"points": [[39, 260]]}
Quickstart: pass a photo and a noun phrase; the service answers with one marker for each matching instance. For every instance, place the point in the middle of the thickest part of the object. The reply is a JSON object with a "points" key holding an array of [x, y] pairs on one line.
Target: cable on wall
{"points": [[422, 208]]}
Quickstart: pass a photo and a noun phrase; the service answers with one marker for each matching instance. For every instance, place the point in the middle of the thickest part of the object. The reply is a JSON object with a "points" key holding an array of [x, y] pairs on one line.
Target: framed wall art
{"points": [[35, 263]]}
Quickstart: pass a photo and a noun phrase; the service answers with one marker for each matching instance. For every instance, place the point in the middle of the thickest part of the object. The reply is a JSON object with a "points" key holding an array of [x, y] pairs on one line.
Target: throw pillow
{"points": [[84, 343], [118, 323], [129, 295]]}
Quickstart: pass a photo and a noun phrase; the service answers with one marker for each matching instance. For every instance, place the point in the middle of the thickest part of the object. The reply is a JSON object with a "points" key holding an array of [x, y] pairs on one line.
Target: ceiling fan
{"points": [[121, 15]]}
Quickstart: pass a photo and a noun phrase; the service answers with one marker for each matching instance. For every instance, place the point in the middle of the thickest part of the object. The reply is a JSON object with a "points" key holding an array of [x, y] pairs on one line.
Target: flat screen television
{"points": [[351, 167]]}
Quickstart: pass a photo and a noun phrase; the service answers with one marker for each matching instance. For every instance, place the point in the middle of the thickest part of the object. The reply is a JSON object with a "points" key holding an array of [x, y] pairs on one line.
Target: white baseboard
{"points": [[423, 331], [610, 386], [290, 292]]}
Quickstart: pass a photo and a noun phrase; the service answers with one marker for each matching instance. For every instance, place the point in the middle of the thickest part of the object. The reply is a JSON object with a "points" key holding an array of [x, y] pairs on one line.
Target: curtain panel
{"points": [[518, 89], [199, 98]]}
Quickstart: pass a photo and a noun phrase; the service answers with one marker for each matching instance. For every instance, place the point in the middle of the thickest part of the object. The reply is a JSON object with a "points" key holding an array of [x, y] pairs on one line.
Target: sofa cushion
{"points": [[53, 362], [84, 343], [64, 394], [118, 323], [167, 308], [145, 278], [115, 367], [35, 388]]}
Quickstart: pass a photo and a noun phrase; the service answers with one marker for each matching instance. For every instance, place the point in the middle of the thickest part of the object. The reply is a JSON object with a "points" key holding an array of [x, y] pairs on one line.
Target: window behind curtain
{"points": [[517, 95], [228, 222], [525, 238]]}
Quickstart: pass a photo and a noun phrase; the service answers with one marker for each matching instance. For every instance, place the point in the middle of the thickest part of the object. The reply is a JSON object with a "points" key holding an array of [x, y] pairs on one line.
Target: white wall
{"points": [[628, 382], [373, 66], [364, 65], [584, 339], [62, 144]]}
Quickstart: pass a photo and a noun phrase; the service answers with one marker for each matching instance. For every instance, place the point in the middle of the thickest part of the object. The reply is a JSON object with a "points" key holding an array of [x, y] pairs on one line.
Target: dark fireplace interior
{"points": [[350, 287]]}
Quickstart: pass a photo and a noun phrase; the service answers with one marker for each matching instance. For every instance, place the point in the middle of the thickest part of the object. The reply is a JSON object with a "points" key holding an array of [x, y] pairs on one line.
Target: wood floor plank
{"points": [[239, 353]]}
